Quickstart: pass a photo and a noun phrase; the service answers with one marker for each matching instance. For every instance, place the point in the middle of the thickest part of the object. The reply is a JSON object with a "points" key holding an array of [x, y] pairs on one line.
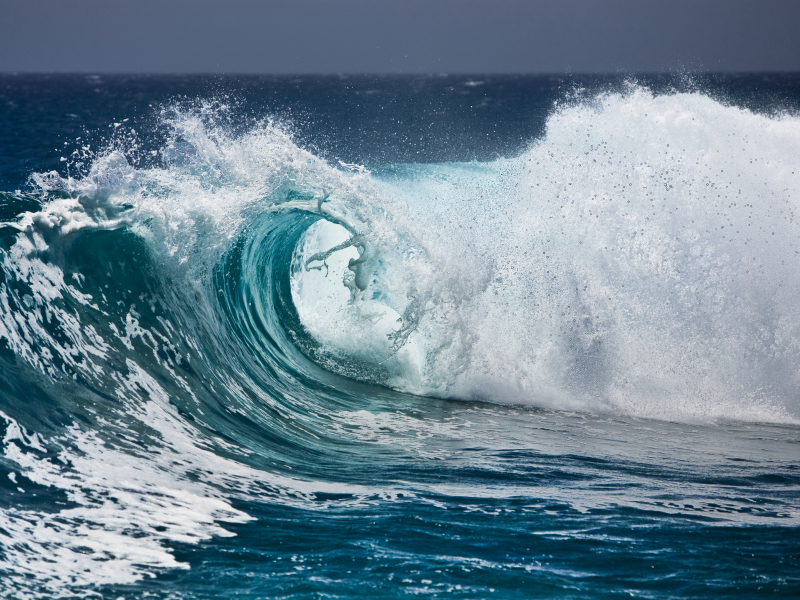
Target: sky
{"points": [[392, 36]]}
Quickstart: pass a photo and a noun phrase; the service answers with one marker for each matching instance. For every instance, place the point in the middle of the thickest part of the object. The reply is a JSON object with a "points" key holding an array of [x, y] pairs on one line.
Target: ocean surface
{"points": [[399, 337]]}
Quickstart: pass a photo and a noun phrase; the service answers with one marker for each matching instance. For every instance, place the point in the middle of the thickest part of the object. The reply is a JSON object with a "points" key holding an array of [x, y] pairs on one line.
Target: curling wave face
{"points": [[244, 305]]}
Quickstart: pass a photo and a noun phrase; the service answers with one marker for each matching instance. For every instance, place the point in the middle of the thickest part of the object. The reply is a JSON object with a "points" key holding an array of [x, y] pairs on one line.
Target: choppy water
{"points": [[359, 337]]}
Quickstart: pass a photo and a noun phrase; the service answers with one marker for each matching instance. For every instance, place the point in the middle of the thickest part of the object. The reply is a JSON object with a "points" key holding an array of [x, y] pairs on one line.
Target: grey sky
{"points": [[409, 36]]}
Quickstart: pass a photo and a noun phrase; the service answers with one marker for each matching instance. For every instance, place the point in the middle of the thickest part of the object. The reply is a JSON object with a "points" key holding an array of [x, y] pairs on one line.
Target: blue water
{"points": [[469, 337]]}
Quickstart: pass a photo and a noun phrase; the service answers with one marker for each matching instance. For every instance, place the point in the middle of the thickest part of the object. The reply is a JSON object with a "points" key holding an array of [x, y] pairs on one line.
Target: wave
{"points": [[639, 258], [230, 306]]}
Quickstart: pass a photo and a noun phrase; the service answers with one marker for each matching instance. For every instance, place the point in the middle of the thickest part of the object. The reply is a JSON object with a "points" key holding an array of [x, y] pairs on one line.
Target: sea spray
{"points": [[644, 258]]}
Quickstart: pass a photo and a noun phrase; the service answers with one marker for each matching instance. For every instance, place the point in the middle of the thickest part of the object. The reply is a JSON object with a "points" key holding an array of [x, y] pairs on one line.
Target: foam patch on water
{"points": [[125, 510], [129, 504]]}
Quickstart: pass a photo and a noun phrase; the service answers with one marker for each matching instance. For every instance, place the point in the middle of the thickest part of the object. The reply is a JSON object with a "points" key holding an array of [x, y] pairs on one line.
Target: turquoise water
{"points": [[388, 337]]}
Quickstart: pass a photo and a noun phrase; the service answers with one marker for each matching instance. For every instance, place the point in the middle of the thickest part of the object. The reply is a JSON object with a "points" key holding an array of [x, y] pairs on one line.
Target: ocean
{"points": [[399, 336]]}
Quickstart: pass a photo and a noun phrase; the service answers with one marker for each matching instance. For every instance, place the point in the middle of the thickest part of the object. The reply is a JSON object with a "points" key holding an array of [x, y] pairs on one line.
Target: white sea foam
{"points": [[127, 505], [644, 258]]}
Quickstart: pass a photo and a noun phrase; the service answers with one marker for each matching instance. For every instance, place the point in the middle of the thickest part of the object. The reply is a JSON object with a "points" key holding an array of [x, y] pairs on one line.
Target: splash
{"points": [[643, 259]]}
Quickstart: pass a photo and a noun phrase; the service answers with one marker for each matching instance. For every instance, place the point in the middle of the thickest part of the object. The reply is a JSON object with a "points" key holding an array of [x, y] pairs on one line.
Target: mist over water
{"points": [[212, 341]]}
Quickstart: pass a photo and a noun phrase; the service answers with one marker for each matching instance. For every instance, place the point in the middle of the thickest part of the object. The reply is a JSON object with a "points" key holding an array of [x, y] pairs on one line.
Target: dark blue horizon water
{"points": [[398, 336], [371, 120]]}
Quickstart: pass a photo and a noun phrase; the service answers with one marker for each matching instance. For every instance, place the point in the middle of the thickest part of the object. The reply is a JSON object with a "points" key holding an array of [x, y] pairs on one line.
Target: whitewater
{"points": [[236, 365]]}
